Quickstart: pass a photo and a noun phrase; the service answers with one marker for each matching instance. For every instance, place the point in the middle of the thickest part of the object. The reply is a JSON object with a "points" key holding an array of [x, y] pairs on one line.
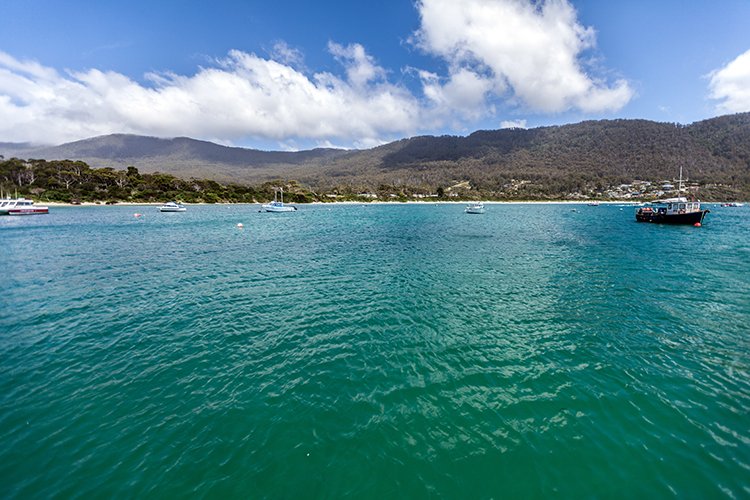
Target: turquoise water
{"points": [[385, 351]]}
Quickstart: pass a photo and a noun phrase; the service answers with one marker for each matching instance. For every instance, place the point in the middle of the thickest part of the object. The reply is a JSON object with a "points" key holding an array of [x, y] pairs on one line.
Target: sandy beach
{"points": [[317, 203]]}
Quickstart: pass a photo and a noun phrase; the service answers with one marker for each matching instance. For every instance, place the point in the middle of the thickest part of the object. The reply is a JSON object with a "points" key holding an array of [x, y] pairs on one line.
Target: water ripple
{"points": [[379, 351]]}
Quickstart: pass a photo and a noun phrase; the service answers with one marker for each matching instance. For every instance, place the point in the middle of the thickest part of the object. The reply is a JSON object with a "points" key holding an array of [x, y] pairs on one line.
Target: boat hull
{"points": [[689, 218], [172, 206], [33, 211], [277, 209], [21, 206], [474, 208]]}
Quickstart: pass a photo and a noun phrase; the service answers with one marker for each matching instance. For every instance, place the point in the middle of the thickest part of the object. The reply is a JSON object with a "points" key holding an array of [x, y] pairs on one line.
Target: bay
{"points": [[405, 350]]}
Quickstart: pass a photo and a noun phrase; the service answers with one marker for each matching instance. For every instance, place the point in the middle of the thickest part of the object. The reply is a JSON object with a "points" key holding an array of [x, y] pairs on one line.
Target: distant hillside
{"points": [[556, 159], [180, 156], [121, 148]]}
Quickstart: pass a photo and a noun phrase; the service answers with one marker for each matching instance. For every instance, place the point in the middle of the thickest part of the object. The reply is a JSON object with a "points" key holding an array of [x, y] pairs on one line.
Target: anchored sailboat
{"points": [[278, 206]]}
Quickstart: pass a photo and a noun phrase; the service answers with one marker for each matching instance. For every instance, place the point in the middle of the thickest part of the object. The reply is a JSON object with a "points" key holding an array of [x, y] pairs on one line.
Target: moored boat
{"points": [[672, 211], [475, 208], [278, 206], [172, 206], [678, 210], [21, 206]]}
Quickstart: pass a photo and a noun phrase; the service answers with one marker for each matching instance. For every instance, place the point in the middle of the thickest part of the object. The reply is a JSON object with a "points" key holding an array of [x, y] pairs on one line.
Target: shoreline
{"points": [[329, 203]]}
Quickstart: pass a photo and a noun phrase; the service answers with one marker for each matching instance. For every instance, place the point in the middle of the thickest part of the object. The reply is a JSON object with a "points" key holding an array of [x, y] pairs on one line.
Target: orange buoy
{"points": [[697, 224]]}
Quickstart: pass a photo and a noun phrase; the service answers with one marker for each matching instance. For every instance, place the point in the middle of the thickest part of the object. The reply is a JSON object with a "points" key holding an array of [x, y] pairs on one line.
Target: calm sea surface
{"points": [[374, 352]]}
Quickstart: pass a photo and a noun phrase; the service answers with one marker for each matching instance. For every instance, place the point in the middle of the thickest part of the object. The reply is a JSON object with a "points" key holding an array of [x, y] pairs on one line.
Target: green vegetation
{"points": [[605, 160], [588, 159], [69, 181], [76, 182]]}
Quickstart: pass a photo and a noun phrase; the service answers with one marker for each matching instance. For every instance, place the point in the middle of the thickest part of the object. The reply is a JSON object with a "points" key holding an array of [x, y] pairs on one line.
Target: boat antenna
{"points": [[690, 196]]}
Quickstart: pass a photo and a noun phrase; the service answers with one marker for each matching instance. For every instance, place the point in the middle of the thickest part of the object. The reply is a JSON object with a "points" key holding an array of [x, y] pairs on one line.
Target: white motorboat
{"points": [[278, 205], [21, 206], [475, 208], [171, 206]]}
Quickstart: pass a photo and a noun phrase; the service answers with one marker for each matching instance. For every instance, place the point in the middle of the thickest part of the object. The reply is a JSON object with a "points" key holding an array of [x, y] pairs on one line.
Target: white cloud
{"points": [[530, 49], [521, 53], [285, 54], [360, 67], [731, 85], [513, 124], [241, 96], [463, 94]]}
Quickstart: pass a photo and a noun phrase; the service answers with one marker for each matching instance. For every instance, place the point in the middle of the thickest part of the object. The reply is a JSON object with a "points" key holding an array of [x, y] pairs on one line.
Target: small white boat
{"points": [[475, 208], [21, 206], [278, 206], [171, 206]]}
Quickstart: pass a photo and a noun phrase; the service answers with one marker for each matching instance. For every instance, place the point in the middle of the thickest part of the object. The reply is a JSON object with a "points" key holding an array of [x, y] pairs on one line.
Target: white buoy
{"points": [[239, 225]]}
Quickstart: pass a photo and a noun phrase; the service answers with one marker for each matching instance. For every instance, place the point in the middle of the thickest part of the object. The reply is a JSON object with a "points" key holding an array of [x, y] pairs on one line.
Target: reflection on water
{"points": [[391, 350]]}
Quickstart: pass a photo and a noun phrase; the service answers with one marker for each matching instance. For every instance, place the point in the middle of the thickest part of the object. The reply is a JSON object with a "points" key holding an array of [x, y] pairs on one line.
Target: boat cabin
{"points": [[678, 210], [673, 206]]}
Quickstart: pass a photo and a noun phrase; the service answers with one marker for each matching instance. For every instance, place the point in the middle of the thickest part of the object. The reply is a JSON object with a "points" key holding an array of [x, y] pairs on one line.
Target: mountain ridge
{"points": [[714, 150]]}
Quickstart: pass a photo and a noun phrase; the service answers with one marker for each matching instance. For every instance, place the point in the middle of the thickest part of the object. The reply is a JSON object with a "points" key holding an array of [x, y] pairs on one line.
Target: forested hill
{"points": [[122, 147], [558, 159], [549, 161], [182, 156], [610, 147]]}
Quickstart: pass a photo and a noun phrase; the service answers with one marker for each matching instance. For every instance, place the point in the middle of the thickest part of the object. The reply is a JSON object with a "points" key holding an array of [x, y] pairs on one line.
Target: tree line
{"points": [[70, 181]]}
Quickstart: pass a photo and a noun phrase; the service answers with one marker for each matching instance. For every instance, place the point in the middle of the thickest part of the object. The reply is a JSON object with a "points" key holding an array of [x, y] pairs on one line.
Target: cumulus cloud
{"points": [[462, 94], [286, 54], [241, 96], [513, 124], [531, 50], [522, 54], [731, 85], [360, 67]]}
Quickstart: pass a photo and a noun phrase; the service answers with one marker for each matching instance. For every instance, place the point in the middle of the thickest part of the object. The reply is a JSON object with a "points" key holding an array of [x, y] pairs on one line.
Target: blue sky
{"points": [[293, 74]]}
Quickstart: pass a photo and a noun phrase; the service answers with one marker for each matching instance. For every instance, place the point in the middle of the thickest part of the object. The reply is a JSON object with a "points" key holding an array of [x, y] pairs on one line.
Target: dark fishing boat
{"points": [[672, 211], [677, 210]]}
